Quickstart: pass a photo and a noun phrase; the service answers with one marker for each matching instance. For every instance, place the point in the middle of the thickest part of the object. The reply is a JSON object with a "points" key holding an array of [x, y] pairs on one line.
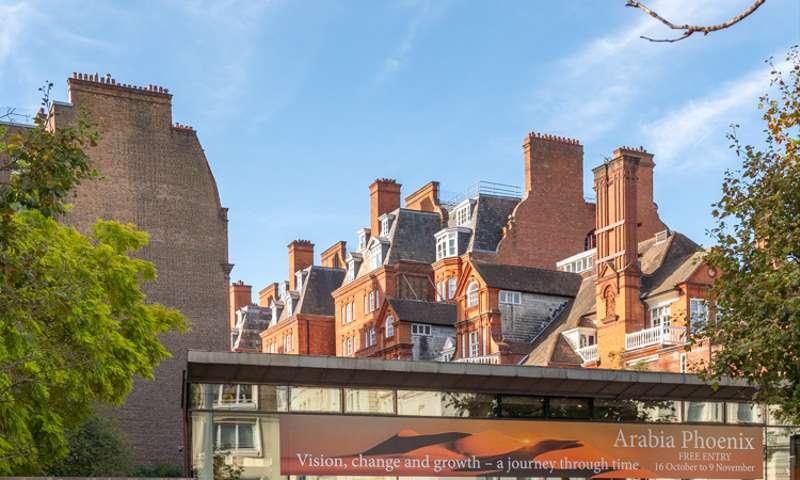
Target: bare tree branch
{"points": [[688, 30]]}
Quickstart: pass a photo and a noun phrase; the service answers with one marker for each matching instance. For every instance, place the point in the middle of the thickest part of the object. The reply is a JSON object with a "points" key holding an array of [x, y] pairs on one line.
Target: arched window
{"points": [[589, 242], [389, 326], [472, 294]]}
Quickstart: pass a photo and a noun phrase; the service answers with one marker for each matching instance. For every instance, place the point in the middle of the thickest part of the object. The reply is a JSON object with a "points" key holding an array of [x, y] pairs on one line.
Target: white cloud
{"points": [[596, 85], [14, 19], [427, 11], [679, 137]]}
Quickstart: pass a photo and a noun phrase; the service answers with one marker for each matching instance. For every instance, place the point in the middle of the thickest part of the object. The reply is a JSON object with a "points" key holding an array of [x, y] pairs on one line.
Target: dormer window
{"points": [[281, 289], [274, 307], [463, 214], [386, 224], [298, 279], [446, 244], [353, 263], [363, 238], [376, 257], [288, 303]]}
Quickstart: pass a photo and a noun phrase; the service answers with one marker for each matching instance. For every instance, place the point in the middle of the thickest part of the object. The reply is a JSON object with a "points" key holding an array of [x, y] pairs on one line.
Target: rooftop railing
{"points": [[658, 335]]}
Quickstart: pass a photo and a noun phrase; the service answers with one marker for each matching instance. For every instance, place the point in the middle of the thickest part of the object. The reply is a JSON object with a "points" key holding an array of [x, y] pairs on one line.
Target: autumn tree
{"points": [[74, 327], [757, 254]]}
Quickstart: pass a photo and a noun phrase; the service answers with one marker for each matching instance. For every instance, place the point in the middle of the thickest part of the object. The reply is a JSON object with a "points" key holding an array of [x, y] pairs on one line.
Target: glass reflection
{"points": [[368, 401], [315, 399]]}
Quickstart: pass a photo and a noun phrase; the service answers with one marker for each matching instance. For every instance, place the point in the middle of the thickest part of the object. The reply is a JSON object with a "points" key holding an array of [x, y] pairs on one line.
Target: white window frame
{"points": [[389, 326], [237, 403], [684, 363], [376, 257], [446, 244], [698, 312], [472, 293], [510, 297], [660, 315], [474, 345], [371, 336], [451, 287], [287, 342], [421, 329], [463, 214], [251, 451]]}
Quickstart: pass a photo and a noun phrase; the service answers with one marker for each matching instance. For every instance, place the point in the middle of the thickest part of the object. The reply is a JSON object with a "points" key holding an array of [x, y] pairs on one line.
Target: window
{"points": [[239, 435], [659, 316], [698, 313], [463, 215], [376, 257], [420, 329], [473, 344], [683, 363], [351, 271], [519, 406], [368, 401], [386, 223], [363, 236], [586, 340], [288, 305], [511, 298], [569, 408], [298, 280], [315, 399], [344, 314], [451, 288], [446, 244], [370, 339], [350, 308], [472, 294], [389, 326], [234, 395], [589, 242], [287, 342]]}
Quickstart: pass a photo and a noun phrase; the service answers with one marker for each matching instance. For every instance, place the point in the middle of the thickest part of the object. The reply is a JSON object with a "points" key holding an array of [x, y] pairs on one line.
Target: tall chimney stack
{"points": [[384, 197], [301, 255], [240, 295], [553, 167], [619, 309], [334, 256], [646, 209]]}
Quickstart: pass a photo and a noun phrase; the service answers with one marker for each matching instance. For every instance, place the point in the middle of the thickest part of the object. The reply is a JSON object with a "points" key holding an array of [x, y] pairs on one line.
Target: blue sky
{"points": [[301, 104]]}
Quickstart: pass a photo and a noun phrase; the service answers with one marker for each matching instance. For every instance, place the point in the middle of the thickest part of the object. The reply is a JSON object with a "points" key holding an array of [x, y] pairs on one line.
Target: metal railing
{"points": [[588, 353], [450, 200], [659, 335], [491, 359]]}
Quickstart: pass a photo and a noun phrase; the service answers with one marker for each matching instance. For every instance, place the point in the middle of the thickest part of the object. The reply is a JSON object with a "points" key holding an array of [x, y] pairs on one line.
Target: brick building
{"points": [[500, 277], [156, 176]]}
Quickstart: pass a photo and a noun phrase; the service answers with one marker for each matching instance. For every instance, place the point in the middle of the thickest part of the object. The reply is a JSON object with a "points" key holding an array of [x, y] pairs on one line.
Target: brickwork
{"points": [[335, 255], [239, 296], [301, 255], [553, 220], [384, 197], [156, 176]]}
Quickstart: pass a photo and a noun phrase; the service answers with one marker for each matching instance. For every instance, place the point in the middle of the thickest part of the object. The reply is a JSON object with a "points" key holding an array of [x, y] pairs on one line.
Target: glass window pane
{"points": [[368, 401], [445, 404], [659, 411], [246, 437], [226, 436], [743, 413], [518, 406], [616, 410], [569, 408], [703, 411], [315, 399]]}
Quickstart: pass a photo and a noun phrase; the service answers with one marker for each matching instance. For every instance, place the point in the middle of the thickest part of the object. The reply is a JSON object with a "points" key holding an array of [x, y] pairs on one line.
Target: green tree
{"points": [[74, 328], [96, 448], [757, 255]]}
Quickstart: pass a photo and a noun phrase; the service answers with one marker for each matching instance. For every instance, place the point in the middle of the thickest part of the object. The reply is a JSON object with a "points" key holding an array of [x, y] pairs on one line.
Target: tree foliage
{"points": [[74, 328], [96, 448], [757, 254]]}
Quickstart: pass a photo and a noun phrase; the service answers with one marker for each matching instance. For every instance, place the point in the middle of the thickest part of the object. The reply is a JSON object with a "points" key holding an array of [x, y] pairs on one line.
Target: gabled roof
{"points": [[316, 296], [664, 266], [529, 279], [489, 219], [419, 311]]}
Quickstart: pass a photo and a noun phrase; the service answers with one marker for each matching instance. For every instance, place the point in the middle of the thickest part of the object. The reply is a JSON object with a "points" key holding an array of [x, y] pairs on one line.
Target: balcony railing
{"points": [[660, 335], [491, 359], [588, 353]]}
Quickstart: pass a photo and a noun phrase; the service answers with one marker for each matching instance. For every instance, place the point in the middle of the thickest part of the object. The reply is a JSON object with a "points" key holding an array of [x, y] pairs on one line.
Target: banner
{"points": [[351, 445]]}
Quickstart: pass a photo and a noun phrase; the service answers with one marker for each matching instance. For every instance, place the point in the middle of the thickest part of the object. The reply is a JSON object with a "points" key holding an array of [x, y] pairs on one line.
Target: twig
{"points": [[688, 30]]}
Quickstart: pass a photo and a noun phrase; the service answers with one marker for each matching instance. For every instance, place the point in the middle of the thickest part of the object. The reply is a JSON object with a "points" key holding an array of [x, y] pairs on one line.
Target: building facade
{"points": [[156, 176]]}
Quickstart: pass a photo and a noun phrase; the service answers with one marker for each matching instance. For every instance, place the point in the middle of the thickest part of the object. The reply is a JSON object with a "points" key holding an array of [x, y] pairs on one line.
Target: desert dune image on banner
{"points": [[432, 447]]}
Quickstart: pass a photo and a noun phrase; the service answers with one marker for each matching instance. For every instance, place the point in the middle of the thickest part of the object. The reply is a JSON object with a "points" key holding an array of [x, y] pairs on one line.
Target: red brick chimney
{"points": [[647, 210], [301, 255], [267, 294], [334, 256], [553, 166], [619, 309], [240, 295], [384, 196]]}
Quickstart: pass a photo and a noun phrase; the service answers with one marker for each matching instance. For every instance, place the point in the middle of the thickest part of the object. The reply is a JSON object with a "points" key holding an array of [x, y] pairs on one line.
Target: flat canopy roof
{"points": [[228, 367]]}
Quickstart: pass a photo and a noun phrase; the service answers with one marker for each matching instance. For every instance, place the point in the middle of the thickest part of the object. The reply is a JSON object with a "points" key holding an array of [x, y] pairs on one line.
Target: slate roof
{"points": [[419, 311], [316, 296], [529, 279], [411, 236], [490, 216], [664, 266]]}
